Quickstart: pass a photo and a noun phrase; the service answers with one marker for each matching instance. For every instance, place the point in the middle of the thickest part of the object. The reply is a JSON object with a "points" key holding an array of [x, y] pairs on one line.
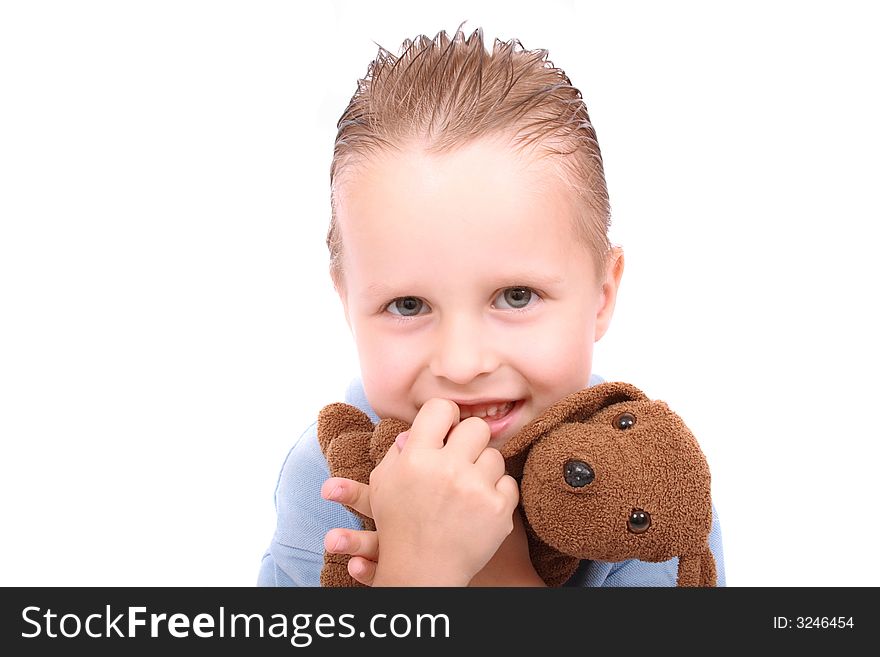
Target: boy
{"points": [[469, 249]]}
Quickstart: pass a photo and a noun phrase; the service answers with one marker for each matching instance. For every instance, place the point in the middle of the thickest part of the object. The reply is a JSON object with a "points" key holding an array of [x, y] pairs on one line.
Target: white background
{"points": [[168, 329]]}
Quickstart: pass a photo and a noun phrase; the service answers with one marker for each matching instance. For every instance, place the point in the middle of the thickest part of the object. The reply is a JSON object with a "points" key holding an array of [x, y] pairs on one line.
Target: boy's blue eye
{"points": [[406, 306], [510, 298], [516, 297]]}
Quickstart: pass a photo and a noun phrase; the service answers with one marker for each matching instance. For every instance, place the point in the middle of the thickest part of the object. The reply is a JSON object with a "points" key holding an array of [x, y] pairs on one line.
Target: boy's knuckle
{"points": [[501, 508], [495, 457]]}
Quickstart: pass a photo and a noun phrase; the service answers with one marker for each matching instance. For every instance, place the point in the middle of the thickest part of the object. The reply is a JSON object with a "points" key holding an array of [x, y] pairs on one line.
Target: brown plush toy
{"points": [[605, 474]]}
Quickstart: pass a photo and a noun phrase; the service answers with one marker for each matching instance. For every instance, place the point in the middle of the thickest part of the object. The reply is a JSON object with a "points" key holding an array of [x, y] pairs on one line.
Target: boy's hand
{"points": [[509, 566], [442, 501], [362, 545]]}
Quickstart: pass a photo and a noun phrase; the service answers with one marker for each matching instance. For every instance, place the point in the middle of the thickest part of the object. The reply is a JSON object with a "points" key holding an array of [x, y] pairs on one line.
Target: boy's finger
{"points": [[363, 570], [350, 492], [508, 487], [491, 463], [354, 542], [433, 421], [469, 439]]}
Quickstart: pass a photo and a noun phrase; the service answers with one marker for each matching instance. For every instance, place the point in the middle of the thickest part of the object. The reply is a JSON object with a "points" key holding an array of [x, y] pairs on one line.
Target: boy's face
{"points": [[463, 278]]}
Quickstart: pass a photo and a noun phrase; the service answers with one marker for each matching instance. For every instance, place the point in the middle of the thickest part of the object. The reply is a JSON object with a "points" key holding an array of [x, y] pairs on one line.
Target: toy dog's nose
{"points": [[578, 474]]}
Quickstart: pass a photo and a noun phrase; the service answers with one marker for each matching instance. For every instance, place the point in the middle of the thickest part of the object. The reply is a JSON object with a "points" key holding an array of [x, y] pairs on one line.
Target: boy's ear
{"points": [[614, 272]]}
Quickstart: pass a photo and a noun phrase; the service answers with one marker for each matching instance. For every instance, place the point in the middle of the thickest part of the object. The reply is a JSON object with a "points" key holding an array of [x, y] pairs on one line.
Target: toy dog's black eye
{"points": [[624, 421], [638, 521], [578, 474]]}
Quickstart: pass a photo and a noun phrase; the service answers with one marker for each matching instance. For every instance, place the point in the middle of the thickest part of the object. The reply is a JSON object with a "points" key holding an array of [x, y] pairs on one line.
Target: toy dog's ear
{"points": [[577, 407], [339, 418], [584, 404]]}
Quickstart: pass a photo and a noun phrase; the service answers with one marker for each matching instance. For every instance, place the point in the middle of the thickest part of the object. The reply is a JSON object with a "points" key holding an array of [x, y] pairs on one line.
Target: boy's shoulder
{"points": [[303, 515]]}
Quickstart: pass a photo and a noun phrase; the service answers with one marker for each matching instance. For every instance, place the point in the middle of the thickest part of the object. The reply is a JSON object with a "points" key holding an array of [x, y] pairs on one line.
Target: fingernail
{"points": [[400, 441], [356, 566], [341, 544], [336, 493]]}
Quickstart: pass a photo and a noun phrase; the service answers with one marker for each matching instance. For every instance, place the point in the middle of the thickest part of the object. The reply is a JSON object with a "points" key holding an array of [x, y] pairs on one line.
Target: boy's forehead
{"points": [[485, 171], [454, 254], [478, 214], [409, 191]]}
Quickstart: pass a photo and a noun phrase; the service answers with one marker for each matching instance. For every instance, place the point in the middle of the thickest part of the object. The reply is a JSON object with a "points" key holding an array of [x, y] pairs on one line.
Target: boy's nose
{"points": [[463, 352]]}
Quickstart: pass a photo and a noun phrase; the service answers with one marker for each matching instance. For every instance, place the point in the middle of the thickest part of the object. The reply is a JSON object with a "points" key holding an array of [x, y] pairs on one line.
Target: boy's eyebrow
{"points": [[530, 278], [378, 290], [519, 278]]}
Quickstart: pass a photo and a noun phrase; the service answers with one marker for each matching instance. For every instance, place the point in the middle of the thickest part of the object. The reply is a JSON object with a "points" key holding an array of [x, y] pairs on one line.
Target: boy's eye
{"points": [[406, 306], [514, 297]]}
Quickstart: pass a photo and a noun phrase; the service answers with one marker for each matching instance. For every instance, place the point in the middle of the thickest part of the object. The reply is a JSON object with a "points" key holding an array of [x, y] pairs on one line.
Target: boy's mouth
{"points": [[493, 410], [499, 414]]}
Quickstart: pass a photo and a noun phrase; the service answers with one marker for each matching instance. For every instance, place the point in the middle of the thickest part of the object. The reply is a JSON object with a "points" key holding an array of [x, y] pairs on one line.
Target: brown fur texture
{"points": [[605, 474]]}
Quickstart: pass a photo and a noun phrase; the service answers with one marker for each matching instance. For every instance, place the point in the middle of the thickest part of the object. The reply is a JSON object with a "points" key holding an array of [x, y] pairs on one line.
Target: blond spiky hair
{"points": [[445, 93]]}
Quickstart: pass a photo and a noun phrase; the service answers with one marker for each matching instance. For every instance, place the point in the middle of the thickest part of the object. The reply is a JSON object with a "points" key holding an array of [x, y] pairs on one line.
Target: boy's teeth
{"points": [[484, 411]]}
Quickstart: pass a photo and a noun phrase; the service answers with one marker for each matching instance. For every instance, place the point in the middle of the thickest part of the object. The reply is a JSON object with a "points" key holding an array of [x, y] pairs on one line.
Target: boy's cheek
{"points": [[562, 347], [388, 378], [389, 356]]}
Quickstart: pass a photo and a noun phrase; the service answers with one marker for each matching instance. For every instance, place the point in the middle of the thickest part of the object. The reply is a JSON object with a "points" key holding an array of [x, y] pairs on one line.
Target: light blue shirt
{"points": [[296, 554]]}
